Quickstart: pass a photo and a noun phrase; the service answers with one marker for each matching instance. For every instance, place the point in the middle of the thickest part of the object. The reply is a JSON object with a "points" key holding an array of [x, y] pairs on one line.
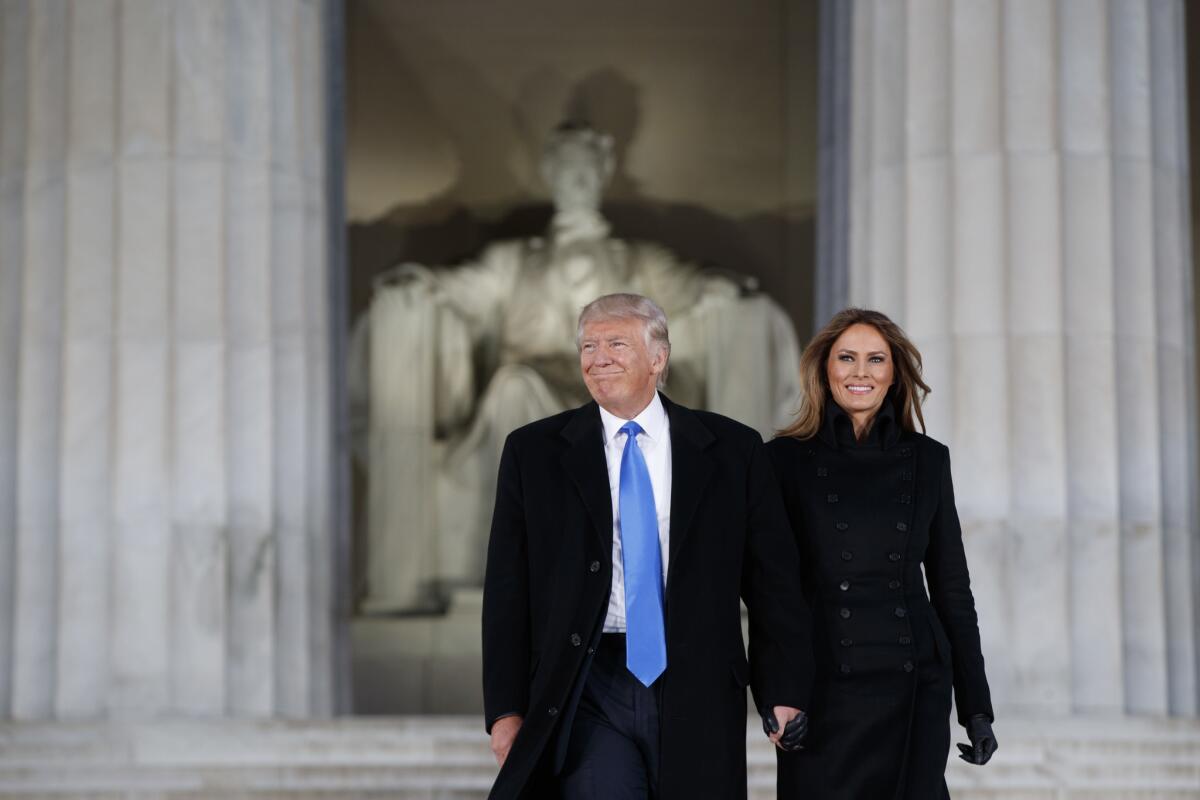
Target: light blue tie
{"points": [[645, 639]]}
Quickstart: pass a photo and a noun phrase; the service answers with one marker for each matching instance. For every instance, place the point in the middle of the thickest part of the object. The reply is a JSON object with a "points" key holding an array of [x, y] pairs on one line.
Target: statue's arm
{"points": [[418, 312], [475, 291], [681, 286]]}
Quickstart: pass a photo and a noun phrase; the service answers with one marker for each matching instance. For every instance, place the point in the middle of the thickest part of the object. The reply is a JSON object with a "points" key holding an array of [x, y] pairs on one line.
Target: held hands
{"points": [[795, 726], [504, 732], [983, 741]]}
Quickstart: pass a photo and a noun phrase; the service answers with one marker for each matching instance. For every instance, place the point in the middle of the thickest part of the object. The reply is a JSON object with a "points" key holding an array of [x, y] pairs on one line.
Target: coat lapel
{"points": [[584, 463], [691, 470]]}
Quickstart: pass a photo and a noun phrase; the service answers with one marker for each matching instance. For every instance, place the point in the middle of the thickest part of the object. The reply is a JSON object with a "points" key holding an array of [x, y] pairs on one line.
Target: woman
{"points": [[870, 500]]}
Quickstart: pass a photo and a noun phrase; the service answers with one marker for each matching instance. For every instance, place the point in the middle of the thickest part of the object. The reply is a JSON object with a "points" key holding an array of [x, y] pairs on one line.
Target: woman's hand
{"points": [[983, 741], [795, 727]]}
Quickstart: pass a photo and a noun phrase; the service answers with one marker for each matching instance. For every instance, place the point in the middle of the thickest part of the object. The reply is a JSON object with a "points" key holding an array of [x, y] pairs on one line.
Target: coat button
{"points": [[594, 566], [893, 556], [901, 613], [901, 526], [552, 711], [576, 640], [905, 640], [832, 498], [905, 499], [842, 526], [846, 642], [908, 666], [845, 613], [906, 451], [822, 472], [591, 651], [847, 555], [844, 586], [893, 584], [844, 669], [906, 476]]}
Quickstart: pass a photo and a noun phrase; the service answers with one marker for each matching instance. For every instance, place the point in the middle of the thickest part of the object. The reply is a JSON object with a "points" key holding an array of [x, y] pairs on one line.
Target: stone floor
{"points": [[446, 758]]}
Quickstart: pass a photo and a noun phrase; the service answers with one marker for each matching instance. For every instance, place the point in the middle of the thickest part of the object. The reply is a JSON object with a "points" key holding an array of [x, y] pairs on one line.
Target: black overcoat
{"points": [[867, 516], [549, 575]]}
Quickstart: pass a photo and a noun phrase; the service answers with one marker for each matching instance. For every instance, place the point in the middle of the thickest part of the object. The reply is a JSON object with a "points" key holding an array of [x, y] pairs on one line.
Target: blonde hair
{"points": [[631, 306], [908, 389]]}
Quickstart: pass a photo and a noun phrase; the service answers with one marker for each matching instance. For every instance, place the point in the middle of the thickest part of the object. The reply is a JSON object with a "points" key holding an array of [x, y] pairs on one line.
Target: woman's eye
{"points": [[876, 359], [845, 357]]}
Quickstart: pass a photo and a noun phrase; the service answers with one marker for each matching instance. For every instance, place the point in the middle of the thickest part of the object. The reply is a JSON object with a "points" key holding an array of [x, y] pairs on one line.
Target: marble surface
{"points": [[1015, 199], [1103, 758], [165, 468]]}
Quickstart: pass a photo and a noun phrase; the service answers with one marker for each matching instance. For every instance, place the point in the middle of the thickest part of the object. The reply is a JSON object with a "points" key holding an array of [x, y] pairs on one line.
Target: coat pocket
{"points": [[940, 640]]}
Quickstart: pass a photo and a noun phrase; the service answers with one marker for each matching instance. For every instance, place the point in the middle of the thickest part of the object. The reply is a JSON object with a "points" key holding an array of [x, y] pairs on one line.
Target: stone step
{"points": [[446, 758]]}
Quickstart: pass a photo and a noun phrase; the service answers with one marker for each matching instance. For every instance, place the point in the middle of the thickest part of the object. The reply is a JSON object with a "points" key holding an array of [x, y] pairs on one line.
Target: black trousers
{"points": [[612, 753]]}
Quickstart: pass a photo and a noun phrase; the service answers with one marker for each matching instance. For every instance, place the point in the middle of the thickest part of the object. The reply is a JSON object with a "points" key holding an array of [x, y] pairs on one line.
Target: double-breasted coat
{"points": [[888, 649], [549, 575]]}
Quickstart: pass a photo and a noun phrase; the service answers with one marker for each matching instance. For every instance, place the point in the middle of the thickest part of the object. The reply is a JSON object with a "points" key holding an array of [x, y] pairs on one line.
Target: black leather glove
{"points": [[794, 733], [983, 741]]}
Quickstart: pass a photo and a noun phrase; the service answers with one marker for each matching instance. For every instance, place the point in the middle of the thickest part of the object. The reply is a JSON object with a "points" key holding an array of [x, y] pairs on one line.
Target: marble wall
{"points": [[164, 416], [1017, 195]]}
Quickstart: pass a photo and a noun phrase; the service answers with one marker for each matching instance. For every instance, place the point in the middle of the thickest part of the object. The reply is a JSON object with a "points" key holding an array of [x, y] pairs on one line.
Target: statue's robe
{"points": [[447, 362]]}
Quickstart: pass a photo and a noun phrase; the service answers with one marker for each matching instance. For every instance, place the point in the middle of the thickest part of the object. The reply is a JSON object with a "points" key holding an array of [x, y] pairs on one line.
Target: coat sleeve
{"points": [[781, 658], [506, 621], [950, 593]]}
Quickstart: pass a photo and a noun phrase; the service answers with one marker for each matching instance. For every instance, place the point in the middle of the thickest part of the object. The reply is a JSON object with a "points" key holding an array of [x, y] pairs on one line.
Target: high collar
{"points": [[837, 429]]}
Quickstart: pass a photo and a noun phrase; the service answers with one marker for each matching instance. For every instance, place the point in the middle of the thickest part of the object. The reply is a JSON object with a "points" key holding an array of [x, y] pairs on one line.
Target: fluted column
{"points": [[1017, 196], [164, 412]]}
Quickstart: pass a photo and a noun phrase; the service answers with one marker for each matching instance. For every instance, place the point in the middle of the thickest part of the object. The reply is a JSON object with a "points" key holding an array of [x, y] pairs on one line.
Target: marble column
{"points": [[164, 413], [1017, 197]]}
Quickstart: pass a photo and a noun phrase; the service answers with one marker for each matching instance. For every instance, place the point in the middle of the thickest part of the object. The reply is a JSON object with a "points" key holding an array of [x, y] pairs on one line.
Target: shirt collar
{"points": [[653, 419]]}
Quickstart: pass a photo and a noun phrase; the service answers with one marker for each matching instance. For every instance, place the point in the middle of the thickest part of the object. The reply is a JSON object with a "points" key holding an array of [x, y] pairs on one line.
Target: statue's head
{"points": [[576, 165]]}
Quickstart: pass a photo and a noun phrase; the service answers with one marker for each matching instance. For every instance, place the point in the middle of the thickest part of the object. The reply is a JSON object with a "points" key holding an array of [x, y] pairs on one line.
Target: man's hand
{"points": [[794, 728], [504, 732]]}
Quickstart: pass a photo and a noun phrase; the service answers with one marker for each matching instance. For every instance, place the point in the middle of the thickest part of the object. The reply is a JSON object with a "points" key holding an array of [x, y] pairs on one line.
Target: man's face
{"points": [[620, 370], [576, 179]]}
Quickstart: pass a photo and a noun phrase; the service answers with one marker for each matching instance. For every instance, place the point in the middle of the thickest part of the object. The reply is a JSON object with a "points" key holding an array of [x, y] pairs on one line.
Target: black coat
{"points": [[549, 575], [867, 516]]}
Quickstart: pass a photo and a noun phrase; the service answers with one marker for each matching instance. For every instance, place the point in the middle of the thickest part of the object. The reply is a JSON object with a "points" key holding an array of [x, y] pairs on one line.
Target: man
{"points": [[624, 533]]}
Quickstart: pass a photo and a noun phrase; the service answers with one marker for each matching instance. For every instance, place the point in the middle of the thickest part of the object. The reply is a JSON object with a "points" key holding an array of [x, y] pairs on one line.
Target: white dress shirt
{"points": [[655, 443]]}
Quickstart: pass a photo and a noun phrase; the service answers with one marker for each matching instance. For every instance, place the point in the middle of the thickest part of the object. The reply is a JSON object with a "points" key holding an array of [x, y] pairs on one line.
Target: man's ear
{"points": [[659, 362]]}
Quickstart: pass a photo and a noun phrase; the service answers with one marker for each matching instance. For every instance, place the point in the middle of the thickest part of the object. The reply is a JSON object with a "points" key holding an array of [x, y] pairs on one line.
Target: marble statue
{"points": [[446, 361]]}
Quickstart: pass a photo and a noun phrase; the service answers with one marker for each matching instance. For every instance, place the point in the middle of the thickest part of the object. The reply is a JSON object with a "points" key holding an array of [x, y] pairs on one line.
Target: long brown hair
{"points": [[908, 390]]}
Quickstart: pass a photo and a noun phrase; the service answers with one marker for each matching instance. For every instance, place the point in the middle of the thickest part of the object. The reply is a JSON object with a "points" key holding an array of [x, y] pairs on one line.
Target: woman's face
{"points": [[860, 370]]}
